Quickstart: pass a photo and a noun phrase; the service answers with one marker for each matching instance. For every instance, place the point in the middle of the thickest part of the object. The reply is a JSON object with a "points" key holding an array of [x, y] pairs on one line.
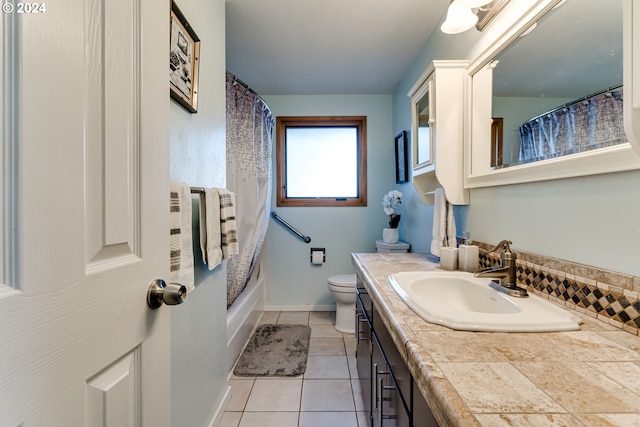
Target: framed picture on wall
{"points": [[184, 61], [402, 164]]}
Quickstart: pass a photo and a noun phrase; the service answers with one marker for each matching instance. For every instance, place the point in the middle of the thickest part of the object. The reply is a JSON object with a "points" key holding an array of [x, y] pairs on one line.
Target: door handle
{"points": [[162, 293]]}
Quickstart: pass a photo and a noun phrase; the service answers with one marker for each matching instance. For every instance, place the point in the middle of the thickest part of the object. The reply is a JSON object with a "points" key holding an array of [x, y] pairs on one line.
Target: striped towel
{"points": [[228, 228], [210, 237], [180, 242]]}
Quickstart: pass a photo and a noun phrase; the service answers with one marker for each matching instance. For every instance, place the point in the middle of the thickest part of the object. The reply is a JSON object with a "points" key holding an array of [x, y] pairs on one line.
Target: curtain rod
{"points": [[243, 84], [246, 86], [585, 98]]}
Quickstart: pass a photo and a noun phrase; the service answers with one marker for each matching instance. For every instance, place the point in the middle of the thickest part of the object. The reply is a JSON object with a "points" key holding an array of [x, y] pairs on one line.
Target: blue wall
{"points": [[198, 157], [292, 282]]}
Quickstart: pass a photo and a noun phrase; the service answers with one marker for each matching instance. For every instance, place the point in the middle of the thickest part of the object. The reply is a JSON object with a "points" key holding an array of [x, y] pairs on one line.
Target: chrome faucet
{"points": [[505, 272]]}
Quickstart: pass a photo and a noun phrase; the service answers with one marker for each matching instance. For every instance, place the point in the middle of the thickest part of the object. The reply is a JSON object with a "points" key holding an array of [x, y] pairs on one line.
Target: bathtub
{"points": [[243, 316]]}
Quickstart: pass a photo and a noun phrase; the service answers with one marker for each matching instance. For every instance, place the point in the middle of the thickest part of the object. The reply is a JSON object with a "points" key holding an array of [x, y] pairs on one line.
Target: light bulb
{"points": [[459, 19]]}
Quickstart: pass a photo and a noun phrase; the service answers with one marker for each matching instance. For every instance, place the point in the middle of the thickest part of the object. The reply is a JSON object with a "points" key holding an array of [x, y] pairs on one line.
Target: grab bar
{"points": [[306, 239]]}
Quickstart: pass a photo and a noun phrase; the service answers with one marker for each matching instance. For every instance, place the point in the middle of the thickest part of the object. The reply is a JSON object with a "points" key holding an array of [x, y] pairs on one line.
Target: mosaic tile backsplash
{"points": [[605, 295]]}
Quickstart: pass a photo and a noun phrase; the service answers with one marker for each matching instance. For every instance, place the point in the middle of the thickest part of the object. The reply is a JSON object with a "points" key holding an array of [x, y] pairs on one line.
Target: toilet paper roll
{"points": [[317, 257]]}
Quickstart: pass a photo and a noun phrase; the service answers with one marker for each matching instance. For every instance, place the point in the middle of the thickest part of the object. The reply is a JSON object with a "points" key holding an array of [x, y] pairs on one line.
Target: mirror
{"points": [[528, 86], [422, 120], [574, 51]]}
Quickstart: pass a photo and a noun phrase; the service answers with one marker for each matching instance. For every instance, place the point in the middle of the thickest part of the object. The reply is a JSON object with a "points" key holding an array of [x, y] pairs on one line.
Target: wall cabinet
{"points": [[437, 131], [388, 390]]}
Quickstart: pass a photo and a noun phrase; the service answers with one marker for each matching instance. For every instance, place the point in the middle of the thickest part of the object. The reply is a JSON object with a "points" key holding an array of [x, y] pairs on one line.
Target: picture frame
{"points": [[184, 61], [402, 162]]}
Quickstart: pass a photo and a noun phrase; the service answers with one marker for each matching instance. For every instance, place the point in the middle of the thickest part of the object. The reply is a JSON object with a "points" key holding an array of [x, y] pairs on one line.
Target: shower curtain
{"points": [[249, 140], [594, 122]]}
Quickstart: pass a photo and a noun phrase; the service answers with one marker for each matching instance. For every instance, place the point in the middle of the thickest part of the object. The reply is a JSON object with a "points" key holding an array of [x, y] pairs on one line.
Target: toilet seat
{"points": [[343, 281]]}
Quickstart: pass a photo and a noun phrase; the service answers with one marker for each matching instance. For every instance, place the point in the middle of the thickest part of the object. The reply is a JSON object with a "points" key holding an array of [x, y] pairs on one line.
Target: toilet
{"points": [[343, 290]]}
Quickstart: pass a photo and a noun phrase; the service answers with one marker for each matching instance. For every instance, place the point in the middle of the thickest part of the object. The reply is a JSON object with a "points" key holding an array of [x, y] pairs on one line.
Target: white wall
{"points": [[590, 220], [198, 327], [291, 280]]}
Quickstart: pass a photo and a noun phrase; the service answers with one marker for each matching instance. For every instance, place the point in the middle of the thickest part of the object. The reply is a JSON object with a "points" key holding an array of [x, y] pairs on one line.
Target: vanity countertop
{"points": [[589, 377]]}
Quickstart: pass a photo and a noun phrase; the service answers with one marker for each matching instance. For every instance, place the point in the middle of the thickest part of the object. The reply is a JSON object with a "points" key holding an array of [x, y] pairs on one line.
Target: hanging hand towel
{"points": [[180, 241], [210, 237], [444, 226], [228, 228], [452, 241]]}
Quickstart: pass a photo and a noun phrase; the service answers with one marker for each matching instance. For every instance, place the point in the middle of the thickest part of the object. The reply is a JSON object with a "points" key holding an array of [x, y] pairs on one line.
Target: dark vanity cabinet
{"points": [[388, 390], [364, 349], [389, 408]]}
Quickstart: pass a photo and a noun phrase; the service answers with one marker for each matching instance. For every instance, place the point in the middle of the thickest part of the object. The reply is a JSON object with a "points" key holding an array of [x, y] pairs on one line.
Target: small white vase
{"points": [[390, 235]]}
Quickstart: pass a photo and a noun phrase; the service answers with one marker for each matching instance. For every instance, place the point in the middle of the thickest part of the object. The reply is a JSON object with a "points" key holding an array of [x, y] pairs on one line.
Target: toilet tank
{"points": [[399, 247]]}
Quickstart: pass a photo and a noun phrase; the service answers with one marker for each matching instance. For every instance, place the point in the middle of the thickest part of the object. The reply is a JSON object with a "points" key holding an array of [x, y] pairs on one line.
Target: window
{"points": [[321, 161]]}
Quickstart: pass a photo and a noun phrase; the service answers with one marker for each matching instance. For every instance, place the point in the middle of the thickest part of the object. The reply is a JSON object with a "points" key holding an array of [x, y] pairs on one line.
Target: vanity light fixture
{"points": [[464, 14], [460, 18], [474, 3]]}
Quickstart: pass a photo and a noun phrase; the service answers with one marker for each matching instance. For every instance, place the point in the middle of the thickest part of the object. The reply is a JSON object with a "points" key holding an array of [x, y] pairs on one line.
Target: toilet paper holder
{"points": [[324, 254]]}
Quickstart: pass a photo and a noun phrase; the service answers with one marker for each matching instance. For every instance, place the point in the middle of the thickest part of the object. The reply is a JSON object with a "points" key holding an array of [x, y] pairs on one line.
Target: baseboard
{"points": [[304, 307], [217, 415]]}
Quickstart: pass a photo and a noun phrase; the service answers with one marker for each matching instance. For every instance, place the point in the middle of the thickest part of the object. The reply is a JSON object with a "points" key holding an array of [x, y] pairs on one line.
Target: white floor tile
{"points": [[274, 396], [240, 390], [293, 318], [363, 419], [326, 367], [230, 419], [324, 419], [322, 317], [269, 419], [269, 318], [353, 367], [350, 344], [327, 395], [357, 395], [326, 347], [325, 331]]}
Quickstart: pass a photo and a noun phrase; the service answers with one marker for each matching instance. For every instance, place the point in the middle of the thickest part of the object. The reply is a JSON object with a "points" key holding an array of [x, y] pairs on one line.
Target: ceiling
{"points": [[310, 47]]}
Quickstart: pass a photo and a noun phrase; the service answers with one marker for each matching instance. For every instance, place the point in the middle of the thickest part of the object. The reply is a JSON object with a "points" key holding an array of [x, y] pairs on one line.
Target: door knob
{"points": [[160, 292]]}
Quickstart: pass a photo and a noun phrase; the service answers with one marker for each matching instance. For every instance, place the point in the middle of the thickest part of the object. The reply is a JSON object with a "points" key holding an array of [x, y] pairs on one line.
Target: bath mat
{"points": [[275, 351]]}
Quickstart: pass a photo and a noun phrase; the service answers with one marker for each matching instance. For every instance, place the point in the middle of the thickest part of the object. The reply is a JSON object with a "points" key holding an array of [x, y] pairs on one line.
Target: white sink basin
{"points": [[460, 301]]}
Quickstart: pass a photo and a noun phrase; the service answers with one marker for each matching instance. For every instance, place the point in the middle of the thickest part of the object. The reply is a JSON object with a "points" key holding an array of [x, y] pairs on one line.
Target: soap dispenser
{"points": [[468, 255]]}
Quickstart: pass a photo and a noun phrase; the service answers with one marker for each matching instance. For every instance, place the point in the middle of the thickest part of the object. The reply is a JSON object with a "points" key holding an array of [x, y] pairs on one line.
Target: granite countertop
{"points": [[589, 377]]}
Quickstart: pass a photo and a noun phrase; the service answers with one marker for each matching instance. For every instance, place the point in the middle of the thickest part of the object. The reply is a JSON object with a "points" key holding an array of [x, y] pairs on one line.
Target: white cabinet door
{"points": [[84, 214]]}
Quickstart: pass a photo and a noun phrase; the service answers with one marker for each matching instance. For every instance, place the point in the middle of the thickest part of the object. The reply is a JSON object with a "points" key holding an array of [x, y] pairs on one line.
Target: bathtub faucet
{"points": [[505, 272]]}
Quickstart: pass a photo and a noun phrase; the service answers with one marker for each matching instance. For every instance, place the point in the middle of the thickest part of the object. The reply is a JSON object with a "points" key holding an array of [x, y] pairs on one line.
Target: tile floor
{"points": [[328, 394]]}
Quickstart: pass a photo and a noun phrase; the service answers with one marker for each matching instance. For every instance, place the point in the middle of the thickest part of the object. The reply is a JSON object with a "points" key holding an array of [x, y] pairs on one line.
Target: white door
{"points": [[84, 213]]}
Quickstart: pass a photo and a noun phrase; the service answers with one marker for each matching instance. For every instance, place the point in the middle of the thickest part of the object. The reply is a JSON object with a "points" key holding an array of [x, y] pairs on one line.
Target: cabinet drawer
{"points": [[389, 409], [394, 360]]}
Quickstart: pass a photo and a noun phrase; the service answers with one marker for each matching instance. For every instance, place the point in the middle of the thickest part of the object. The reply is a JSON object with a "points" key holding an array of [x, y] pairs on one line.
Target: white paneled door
{"points": [[84, 213]]}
